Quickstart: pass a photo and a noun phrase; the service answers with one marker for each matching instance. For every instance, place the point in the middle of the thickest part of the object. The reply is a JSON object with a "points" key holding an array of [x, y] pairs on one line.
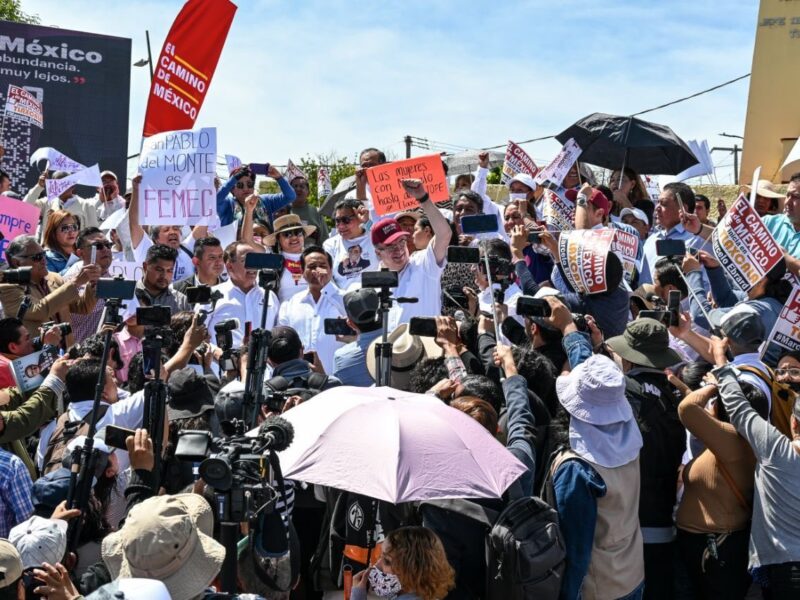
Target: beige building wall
{"points": [[773, 105]]}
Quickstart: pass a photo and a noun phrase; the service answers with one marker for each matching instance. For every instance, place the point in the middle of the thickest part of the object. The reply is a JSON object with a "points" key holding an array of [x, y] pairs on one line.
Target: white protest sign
{"points": [[178, 169], [57, 161], [87, 176], [754, 187], [786, 332], [129, 270], [233, 162], [114, 220], [583, 254], [226, 235], [324, 187], [292, 171], [23, 105], [557, 170]]}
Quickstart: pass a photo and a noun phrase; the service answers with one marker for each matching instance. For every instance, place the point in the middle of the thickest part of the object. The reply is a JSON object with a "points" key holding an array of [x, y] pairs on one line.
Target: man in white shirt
{"points": [[108, 201], [306, 311], [83, 208], [419, 274], [242, 297]]}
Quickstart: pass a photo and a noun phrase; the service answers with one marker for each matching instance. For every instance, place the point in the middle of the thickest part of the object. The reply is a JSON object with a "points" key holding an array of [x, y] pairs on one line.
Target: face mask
{"points": [[383, 584], [515, 197]]}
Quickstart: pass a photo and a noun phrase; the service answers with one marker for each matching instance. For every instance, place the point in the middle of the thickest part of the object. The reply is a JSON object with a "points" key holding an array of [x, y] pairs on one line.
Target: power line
{"points": [[706, 91]]}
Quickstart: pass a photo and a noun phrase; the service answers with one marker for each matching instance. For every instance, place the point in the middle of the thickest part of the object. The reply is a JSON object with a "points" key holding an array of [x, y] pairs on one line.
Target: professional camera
{"points": [[21, 276], [234, 463], [65, 328], [223, 331]]}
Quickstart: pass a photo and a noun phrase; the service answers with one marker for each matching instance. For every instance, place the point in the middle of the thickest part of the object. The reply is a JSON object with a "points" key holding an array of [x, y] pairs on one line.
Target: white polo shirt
{"points": [[421, 278], [236, 304], [307, 318]]}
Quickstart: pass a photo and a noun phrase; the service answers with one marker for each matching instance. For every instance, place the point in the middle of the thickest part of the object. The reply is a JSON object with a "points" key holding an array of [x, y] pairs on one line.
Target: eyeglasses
{"points": [[68, 228], [343, 220], [794, 372], [396, 247], [292, 233], [100, 245], [243, 184], [38, 257]]}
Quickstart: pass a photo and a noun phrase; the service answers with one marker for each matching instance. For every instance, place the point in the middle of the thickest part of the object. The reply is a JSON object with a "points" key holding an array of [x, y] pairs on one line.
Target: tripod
{"points": [[383, 350], [257, 353]]}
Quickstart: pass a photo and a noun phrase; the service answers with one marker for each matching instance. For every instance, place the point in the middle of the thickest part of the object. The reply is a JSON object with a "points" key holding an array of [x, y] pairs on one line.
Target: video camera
{"points": [[224, 332], [21, 276], [234, 463]]}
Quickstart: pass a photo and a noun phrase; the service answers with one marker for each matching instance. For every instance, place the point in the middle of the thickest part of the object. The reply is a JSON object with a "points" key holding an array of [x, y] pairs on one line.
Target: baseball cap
{"points": [[637, 214], [109, 174], [744, 328], [39, 541], [10, 564], [189, 394], [524, 179], [387, 231], [362, 306]]}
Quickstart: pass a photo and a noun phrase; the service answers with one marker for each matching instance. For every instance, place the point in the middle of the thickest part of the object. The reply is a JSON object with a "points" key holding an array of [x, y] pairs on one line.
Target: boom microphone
{"points": [[278, 433]]}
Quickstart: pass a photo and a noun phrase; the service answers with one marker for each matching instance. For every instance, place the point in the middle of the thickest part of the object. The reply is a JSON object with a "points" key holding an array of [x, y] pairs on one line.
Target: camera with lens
{"points": [[65, 328], [500, 268], [224, 332], [21, 276]]}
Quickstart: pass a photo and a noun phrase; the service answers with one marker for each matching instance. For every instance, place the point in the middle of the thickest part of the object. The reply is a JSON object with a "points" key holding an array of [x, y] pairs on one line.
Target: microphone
{"points": [[277, 433]]}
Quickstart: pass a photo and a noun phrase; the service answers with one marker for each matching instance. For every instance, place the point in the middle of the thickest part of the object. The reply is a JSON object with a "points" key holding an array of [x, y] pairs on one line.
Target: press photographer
{"points": [[16, 342], [47, 297]]}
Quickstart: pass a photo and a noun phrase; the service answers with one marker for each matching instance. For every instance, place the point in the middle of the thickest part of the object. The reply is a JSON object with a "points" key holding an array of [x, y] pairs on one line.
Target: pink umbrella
{"points": [[395, 446]]}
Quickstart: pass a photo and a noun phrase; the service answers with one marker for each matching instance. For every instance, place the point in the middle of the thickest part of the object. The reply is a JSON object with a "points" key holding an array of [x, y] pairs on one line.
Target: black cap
{"points": [[362, 306], [189, 394], [744, 328]]}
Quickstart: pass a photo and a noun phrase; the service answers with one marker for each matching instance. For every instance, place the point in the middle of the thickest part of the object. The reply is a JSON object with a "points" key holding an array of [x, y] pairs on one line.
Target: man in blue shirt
{"points": [[231, 196], [673, 214], [350, 361], [785, 228]]}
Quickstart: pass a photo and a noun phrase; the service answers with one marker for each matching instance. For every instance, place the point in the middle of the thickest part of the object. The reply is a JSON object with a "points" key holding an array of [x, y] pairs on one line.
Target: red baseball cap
{"points": [[597, 198], [387, 231]]}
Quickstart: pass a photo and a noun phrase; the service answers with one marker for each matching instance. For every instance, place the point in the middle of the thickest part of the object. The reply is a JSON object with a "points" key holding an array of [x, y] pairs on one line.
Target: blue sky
{"points": [[308, 77]]}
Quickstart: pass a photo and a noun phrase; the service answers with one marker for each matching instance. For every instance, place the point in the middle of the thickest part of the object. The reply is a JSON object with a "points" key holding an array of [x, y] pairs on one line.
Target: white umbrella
{"points": [[464, 163]]}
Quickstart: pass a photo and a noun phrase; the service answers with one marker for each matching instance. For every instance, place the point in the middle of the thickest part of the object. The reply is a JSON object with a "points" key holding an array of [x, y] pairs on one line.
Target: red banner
{"points": [[186, 65]]}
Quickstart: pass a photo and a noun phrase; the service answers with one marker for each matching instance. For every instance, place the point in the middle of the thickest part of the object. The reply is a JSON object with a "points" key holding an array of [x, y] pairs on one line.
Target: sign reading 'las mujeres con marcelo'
{"points": [[82, 81]]}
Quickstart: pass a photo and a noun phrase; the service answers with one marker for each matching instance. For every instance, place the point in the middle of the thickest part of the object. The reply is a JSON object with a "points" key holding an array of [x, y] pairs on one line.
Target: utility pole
{"points": [[736, 149], [407, 140]]}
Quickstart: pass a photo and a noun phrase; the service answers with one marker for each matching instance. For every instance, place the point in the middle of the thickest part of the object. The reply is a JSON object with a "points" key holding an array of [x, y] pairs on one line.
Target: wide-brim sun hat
{"points": [[287, 223], [594, 392], [645, 342], [407, 351]]}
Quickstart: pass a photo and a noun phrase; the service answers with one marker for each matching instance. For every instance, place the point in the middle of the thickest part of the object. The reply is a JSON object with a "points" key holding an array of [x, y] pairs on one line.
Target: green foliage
{"points": [[494, 175], [338, 169], [11, 10]]}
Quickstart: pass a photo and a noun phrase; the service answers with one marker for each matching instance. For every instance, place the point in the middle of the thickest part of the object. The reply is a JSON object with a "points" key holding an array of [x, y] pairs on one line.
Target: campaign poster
{"points": [[82, 81], [558, 211], [557, 170], [583, 254], [786, 331], [516, 161]]}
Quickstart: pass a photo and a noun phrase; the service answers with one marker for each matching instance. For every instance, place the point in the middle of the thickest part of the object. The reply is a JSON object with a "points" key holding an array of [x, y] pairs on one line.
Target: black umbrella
{"points": [[616, 142]]}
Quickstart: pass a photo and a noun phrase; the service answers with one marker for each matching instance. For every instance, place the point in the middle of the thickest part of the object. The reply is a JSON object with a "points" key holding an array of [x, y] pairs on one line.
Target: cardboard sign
{"points": [[292, 171], [130, 270], [388, 195], [178, 169], [233, 162], [583, 254], [23, 105], [786, 332], [87, 176], [56, 161], [517, 161], [16, 218], [626, 247], [558, 211], [744, 246], [324, 187], [557, 170]]}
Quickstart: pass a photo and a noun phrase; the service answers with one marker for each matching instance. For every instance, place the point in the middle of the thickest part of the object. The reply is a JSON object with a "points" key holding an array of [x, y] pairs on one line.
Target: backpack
{"points": [[525, 554], [63, 434], [304, 386], [781, 401]]}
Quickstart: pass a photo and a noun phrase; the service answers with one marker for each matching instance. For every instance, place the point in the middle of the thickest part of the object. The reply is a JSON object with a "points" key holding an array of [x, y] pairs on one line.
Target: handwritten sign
{"points": [[292, 171], [324, 186], [517, 161], [87, 176], [786, 332], [558, 211], [56, 160], [557, 170], [23, 105], [744, 246], [130, 270], [178, 169], [16, 218], [388, 195], [583, 254]]}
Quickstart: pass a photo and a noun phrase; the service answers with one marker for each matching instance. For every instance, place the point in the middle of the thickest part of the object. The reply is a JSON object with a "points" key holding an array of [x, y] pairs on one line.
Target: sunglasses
{"points": [[343, 220], [38, 257], [243, 184], [292, 233], [100, 245], [68, 228]]}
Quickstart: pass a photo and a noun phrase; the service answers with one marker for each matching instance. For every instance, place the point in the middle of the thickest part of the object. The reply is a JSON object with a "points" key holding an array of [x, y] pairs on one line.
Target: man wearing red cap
{"points": [[418, 274]]}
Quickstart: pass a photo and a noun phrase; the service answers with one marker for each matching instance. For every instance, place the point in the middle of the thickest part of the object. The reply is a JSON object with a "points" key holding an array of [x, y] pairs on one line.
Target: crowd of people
{"points": [[663, 441]]}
